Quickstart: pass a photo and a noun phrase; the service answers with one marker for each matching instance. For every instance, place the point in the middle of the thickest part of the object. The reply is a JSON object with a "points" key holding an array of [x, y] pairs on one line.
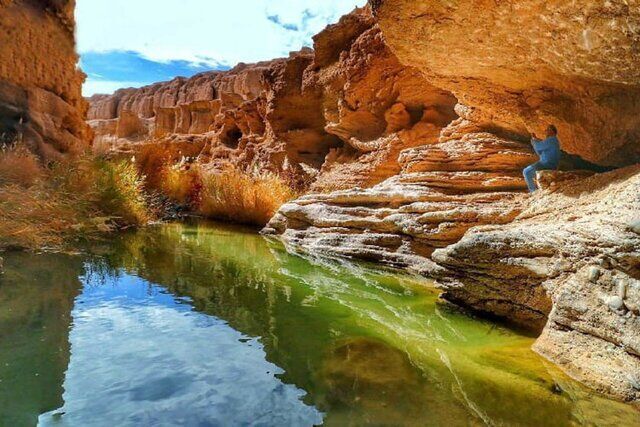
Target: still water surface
{"points": [[210, 325]]}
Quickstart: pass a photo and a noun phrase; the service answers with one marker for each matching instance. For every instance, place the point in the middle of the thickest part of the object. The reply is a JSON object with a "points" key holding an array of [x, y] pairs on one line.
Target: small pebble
{"points": [[633, 308], [594, 274], [604, 263], [621, 287], [635, 381], [635, 226], [615, 303]]}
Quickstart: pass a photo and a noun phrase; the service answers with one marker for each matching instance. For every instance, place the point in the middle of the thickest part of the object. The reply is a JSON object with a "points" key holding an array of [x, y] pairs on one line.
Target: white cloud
{"points": [[93, 86], [204, 30]]}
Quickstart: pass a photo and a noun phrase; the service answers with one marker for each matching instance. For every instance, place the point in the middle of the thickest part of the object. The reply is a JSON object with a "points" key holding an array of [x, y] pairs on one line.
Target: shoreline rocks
{"points": [[544, 264]]}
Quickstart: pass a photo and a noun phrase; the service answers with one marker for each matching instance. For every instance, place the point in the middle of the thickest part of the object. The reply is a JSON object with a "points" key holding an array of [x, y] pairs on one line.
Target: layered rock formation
{"points": [[524, 64], [337, 116], [255, 116], [518, 67], [40, 84], [570, 261], [464, 178]]}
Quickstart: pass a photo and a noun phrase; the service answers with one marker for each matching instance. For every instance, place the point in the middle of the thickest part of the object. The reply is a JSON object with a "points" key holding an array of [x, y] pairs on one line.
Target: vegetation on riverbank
{"points": [[46, 206], [229, 195]]}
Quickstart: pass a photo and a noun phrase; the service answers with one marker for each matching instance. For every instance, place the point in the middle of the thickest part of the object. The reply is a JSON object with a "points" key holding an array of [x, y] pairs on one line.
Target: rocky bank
{"points": [[408, 126]]}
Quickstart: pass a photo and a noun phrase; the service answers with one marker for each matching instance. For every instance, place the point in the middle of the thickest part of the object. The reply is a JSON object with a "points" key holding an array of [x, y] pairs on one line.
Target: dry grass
{"points": [[118, 191], [182, 186], [19, 166], [152, 159], [34, 219], [249, 199], [45, 207], [229, 195]]}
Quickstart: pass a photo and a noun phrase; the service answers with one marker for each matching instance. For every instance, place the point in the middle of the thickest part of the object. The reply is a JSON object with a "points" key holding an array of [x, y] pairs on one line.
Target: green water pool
{"points": [[209, 325]]}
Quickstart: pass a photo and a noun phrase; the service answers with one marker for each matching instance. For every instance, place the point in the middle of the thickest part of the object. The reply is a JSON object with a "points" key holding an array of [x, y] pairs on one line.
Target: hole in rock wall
{"points": [[231, 137], [10, 126], [415, 114], [318, 156]]}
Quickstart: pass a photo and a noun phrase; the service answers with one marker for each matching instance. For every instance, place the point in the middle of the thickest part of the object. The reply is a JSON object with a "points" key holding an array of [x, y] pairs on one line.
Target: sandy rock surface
{"points": [[524, 64], [466, 178], [570, 265], [40, 87]]}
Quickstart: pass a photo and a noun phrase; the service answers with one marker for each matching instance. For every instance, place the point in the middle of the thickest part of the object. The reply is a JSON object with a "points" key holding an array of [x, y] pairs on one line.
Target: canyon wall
{"points": [[408, 129], [40, 85], [524, 64], [569, 264], [334, 117]]}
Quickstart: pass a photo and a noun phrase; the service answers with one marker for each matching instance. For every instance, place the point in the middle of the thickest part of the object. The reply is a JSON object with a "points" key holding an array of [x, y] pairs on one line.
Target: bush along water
{"points": [[229, 194], [46, 206]]}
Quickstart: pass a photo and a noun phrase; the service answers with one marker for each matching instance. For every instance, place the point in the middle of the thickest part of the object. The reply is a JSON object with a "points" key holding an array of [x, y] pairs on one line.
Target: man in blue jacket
{"points": [[549, 153]]}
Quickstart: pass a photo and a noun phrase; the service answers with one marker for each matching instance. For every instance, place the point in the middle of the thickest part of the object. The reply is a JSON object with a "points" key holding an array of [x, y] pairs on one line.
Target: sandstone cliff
{"points": [[410, 129], [337, 116], [570, 263], [524, 64], [514, 68], [40, 84]]}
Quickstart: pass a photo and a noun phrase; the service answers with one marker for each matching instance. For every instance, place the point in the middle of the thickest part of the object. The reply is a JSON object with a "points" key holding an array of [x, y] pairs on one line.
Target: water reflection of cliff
{"points": [[36, 299], [367, 347]]}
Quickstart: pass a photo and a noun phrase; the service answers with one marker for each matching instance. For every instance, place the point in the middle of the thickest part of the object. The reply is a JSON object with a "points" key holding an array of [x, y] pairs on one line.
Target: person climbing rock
{"points": [[549, 152]]}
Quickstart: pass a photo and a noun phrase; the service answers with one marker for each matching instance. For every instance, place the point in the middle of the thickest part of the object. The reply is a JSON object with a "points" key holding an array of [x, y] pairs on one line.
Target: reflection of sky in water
{"points": [[302, 339], [132, 364]]}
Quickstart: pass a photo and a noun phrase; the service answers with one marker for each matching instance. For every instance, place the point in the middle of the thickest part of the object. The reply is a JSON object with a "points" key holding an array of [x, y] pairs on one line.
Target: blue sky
{"points": [[131, 43]]}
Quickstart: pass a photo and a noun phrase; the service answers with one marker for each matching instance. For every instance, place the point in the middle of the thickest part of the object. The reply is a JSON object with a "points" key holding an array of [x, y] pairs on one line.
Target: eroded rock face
{"points": [[40, 86], [462, 178], [337, 116], [376, 106], [413, 132], [570, 263], [254, 116], [524, 64]]}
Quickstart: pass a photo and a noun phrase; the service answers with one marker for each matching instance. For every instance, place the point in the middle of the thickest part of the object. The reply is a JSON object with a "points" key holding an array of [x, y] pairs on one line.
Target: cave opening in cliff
{"points": [[415, 114], [10, 124], [231, 137]]}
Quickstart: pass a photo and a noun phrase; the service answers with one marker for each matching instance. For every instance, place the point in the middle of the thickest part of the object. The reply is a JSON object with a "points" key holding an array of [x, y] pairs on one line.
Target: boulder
{"points": [[567, 265]]}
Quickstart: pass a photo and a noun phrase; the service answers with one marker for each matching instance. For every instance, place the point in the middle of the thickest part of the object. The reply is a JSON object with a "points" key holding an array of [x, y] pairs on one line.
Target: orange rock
{"points": [[40, 86], [525, 64]]}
